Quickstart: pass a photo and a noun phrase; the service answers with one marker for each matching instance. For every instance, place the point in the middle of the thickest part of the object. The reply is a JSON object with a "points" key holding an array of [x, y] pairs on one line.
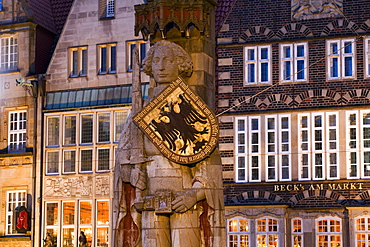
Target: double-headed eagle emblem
{"points": [[180, 124]]}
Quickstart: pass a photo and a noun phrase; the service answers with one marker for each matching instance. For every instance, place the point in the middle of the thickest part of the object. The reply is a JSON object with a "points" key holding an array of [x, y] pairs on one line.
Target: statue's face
{"points": [[164, 65]]}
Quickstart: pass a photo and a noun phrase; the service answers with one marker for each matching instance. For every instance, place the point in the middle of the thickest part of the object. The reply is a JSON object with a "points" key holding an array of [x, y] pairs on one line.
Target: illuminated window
{"points": [[78, 61], [102, 224], [142, 46], [92, 220], [297, 232], [68, 221], [238, 232], [267, 232], [17, 131], [85, 222], [13, 200], [107, 58], [52, 223], [328, 232], [362, 231]]}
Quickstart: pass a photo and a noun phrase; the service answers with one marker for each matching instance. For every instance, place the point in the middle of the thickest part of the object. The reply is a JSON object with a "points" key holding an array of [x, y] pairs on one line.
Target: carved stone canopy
{"points": [[164, 15]]}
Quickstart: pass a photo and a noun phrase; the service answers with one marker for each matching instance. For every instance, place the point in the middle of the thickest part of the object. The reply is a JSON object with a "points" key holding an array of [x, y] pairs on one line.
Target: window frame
{"points": [[313, 152], [144, 47], [78, 66], [73, 171], [356, 141], [294, 234], [102, 225], [49, 132], [365, 233], [238, 233], [293, 59], [110, 8], [267, 233], [251, 154], [110, 58], [10, 213], [11, 61], [328, 233], [341, 56], [47, 161], [257, 61], [98, 159], [367, 57], [76, 137], [68, 226], [20, 132], [81, 160], [55, 228]]}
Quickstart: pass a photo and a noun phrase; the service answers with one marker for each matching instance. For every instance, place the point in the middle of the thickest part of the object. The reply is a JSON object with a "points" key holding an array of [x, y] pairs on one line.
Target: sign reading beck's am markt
{"points": [[179, 124]]}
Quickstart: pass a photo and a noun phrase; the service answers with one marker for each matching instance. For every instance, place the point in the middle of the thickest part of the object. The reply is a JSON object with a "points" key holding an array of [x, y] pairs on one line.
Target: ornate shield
{"points": [[179, 124]]}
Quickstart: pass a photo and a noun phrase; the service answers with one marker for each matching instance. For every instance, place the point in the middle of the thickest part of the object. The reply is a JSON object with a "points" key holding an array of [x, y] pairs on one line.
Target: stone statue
{"points": [[192, 192]]}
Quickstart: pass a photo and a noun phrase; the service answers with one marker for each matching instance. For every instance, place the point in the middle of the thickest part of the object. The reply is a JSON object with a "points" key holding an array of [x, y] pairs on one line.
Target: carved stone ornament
{"points": [[315, 9], [179, 124]]}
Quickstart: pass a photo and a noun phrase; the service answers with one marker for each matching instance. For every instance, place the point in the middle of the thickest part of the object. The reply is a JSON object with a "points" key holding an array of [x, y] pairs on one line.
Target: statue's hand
{"points": [[184, 202], [137, 179]]}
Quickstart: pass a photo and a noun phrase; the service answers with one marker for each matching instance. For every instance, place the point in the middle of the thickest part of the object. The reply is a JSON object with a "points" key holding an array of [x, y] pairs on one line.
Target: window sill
{"points": [[105, 18], [16, 154]]}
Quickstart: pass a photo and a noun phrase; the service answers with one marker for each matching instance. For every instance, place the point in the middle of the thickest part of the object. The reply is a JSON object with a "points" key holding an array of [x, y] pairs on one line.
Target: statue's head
{"points": [[166, 60]]}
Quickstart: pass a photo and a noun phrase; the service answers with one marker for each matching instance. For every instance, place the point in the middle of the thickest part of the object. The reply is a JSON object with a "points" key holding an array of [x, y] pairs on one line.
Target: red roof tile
{"points": [[222, 10], [51, 14]]}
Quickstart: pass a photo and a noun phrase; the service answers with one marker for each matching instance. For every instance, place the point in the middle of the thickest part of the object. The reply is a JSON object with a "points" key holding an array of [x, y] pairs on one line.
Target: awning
{"points": [[90, 97]]}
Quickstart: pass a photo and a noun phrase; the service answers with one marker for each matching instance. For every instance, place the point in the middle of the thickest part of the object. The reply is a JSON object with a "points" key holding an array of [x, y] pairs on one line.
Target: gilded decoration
{"points": [[316, 9], [179, 124]]}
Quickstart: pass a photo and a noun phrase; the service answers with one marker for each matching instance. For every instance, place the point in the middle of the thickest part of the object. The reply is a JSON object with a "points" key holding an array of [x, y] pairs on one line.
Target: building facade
{"points": [[88, 97], [293, 104], [27, 36]]}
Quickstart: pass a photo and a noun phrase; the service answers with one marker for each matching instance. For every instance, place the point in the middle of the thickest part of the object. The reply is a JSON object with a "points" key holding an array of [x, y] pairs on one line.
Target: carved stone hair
{"points": [[183, 59]]}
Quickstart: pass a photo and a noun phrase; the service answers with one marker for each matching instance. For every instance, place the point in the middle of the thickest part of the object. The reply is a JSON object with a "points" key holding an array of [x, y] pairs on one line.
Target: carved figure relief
{"points": [[315, 9], [76, 186]]}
